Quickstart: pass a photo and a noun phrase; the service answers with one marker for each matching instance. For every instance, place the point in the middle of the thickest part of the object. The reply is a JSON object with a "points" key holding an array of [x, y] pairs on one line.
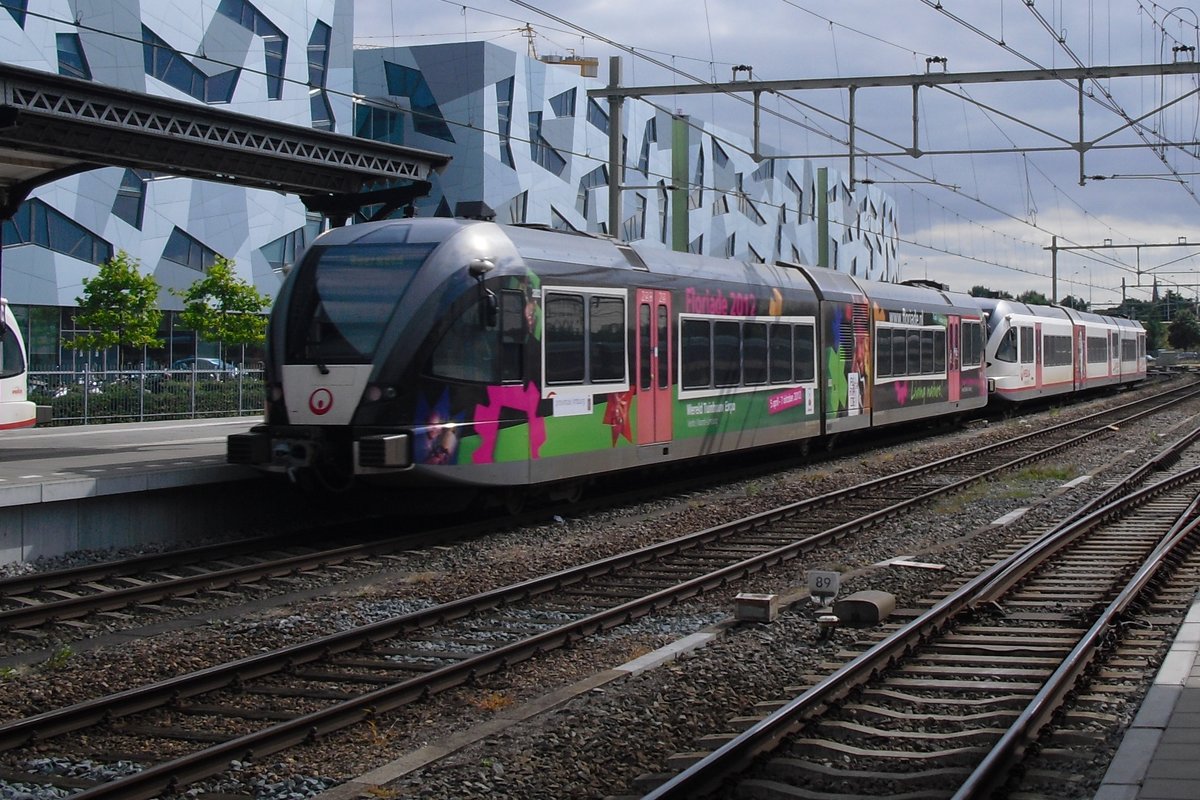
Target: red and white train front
{"points": [[16, 409], [1040, 351]]}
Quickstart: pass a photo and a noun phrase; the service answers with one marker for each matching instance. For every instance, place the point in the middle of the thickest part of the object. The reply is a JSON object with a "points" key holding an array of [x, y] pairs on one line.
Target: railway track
{"points": [[115, 592], [946, 705], [193, 726]]}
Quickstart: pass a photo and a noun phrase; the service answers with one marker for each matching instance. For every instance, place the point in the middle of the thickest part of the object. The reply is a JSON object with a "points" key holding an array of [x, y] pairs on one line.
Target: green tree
{"points": [[1033, 298], [1184, 332], [118, 307], [1155, 334], [983, 291], [222, 307], [1077, 303]]}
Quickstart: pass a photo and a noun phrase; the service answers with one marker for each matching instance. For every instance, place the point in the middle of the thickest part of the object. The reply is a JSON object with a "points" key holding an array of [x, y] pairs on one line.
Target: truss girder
{"points": [[53, 115]]}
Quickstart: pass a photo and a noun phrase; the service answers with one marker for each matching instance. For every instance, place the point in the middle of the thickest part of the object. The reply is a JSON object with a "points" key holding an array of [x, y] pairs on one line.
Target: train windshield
{"points": [[344, 297], [12, 363]]}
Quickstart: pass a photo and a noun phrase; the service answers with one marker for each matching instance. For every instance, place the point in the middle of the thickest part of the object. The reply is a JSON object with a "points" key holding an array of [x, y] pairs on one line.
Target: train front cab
{"points": [[1030, 352], [16, 409]]}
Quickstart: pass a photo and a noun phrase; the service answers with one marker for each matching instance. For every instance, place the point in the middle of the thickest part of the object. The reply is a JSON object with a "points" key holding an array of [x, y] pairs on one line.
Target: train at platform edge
{"points": [[450, 352], [16, 409]]}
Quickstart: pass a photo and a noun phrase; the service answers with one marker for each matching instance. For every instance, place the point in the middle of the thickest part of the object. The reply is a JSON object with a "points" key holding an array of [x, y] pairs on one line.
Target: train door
{"points": [[1079, 356], [1030, 373], [653, 364], [1037, 354], [953, 361]]}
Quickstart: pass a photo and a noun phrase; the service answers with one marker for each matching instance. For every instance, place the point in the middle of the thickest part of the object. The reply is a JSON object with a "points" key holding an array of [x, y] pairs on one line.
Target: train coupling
{"points": [[259, 448]]}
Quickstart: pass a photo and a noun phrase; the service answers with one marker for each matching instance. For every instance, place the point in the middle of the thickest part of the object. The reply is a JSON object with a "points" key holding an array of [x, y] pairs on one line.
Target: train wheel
{"points": [[513, 499], [570, 492]]}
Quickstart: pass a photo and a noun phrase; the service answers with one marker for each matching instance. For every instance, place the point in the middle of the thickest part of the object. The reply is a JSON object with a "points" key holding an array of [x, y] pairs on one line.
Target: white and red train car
{"points": [[1040, 351]]}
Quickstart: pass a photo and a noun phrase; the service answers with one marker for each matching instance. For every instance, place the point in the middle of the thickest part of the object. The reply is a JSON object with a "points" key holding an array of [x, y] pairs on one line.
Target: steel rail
{"points": [[214, 759], [114, 599], [705, 774], [990, 772], [58, 721]]}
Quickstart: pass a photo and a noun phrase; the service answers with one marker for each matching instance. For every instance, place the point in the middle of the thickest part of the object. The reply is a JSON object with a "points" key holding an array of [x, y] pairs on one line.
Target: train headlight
{"points": [[375, 393]]}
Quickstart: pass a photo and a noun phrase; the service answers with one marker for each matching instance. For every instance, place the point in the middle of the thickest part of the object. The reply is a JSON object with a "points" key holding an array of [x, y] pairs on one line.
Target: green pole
{"points": [[822, 204], [679, 177]]}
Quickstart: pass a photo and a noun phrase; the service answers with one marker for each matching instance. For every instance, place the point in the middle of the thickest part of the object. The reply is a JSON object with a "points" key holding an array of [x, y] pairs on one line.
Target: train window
{"points": [[727, 354], [11, 362], [512, 335], [781, 353], [466, 351], [1007, 349], [644, 346], [754, 353], [696, 353], [899, 352], [913, 367], [1026, 350], [1128, 350], [1097, 349], [939, 351], [806, 365], [1057, 351], [926, 352], [606, 340], [972, 344], [883, 353], [564, 338], [343, 298], [664, 349]]}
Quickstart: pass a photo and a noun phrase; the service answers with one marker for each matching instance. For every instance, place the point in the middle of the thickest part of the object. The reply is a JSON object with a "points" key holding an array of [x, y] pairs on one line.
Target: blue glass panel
{"points": [[130, 203], [318, 53], [186, 251], [276, 55], [596, 115], [322, 112], [427, 116], [17, 8], [219, 88], [39, 224], [563, 105], [71, 61]]}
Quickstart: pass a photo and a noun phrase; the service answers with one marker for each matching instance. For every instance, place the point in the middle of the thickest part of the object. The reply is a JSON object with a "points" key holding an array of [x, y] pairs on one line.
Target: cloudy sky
{"points": [[966, 219]]}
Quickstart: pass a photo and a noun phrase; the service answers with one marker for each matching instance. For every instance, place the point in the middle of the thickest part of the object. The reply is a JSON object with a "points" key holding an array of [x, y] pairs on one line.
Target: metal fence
{"points": [[138, 395]]}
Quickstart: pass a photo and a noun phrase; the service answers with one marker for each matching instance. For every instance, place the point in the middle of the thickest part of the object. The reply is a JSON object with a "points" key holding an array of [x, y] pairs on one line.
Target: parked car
{"points": [[211, 368]]}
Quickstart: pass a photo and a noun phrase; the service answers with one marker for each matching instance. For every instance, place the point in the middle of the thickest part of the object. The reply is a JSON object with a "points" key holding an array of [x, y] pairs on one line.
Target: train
{"points": [[16, 409], [439, 352]]}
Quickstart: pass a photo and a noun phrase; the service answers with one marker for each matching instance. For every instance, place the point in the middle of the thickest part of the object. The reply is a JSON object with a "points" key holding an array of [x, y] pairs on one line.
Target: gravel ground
{"points": [[599, 743]]}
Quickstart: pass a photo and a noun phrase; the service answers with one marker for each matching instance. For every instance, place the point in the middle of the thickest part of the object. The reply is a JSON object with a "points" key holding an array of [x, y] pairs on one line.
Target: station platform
{"points": [[1159, 756], [42, 465], [106, 486]]}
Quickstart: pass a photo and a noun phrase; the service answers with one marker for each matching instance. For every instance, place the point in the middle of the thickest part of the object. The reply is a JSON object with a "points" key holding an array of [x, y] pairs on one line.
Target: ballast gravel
{"points": [[600, 742]]}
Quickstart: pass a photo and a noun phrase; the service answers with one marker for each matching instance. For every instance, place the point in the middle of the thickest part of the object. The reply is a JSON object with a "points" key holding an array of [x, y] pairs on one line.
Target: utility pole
{"points": [[1108, 245], [616, 167]]}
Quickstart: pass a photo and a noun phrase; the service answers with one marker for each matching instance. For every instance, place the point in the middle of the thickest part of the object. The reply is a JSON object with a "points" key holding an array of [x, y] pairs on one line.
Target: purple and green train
{"points": [[448, 352]]}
